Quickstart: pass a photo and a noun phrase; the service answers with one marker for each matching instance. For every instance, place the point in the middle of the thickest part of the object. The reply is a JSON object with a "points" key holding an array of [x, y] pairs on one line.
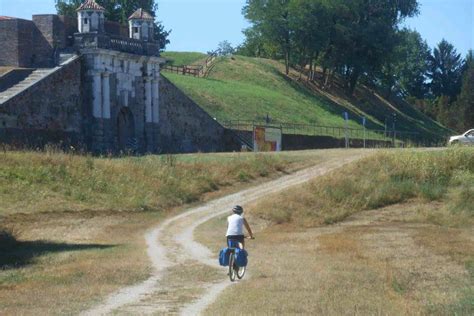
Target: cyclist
{"points": [[235, 223]]}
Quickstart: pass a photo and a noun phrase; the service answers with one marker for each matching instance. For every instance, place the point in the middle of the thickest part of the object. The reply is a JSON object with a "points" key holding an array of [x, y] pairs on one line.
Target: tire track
{"points": [[171, 244]]}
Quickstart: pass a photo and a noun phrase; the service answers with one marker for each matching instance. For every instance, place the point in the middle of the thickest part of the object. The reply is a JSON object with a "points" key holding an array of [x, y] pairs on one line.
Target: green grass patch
{"points": [[398, 287], [250, 88], [183, 58]]}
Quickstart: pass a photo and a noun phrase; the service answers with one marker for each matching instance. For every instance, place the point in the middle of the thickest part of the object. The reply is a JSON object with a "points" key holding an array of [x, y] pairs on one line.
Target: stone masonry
{"points": [[107, 96], [48, 112]]}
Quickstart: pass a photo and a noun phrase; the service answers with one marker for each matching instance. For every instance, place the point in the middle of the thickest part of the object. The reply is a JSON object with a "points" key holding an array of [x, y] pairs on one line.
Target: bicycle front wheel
{"points": [[232, 267], [241, 272]]}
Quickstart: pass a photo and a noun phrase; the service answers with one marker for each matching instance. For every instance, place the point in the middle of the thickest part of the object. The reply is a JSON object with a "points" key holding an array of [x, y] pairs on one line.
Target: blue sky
{"points": [[199, 25]]}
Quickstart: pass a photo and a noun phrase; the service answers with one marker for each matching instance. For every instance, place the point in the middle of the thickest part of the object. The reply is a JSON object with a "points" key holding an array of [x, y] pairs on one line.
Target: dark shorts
{"points": [[235, 238]]}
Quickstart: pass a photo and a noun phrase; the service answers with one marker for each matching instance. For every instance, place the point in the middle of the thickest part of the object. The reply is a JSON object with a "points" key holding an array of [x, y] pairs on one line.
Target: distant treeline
{"points": [[361, 41]]}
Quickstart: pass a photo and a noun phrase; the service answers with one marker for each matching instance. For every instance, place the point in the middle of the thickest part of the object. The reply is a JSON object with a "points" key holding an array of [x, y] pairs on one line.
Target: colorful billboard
{"points": [[267, 138]]}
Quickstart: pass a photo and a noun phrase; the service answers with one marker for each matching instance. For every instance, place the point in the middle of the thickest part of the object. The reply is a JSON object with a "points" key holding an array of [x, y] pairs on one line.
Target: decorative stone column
{"points": [[106, 95], [97, 95], [156, 100], [148, 100], [97, 126]]}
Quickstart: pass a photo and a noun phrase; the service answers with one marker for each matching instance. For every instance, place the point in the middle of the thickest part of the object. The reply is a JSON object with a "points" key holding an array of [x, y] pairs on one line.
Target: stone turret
{"points": [[141, 25], [90, 17]]}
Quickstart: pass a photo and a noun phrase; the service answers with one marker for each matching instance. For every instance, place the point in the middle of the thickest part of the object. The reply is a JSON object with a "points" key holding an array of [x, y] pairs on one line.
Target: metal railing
{"points": [[326, 130], [122, 44]]}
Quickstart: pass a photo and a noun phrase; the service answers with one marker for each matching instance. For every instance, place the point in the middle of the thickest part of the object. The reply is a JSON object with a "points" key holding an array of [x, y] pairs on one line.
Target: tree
{"points": [[225, 48], [270, 19], [465, 102], [119, 11], [67, 7], [364, 34], [406, 67], [310, 24], [446, 67]]}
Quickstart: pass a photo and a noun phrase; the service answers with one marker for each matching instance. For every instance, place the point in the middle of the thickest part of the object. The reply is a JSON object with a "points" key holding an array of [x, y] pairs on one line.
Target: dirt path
{"points": [[186, 277], [378, 262]]}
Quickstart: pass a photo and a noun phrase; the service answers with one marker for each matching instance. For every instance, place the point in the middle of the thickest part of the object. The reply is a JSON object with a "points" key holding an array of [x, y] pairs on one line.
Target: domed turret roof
{"points": [[90, 5], [141, 14]]}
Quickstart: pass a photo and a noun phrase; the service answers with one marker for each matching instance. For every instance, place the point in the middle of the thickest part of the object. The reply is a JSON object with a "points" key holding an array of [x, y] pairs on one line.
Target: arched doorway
{"points": [[126, 130]]}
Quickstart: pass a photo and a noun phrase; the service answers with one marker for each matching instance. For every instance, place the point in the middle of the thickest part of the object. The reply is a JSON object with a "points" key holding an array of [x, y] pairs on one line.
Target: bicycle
{"points": [[234, 270]]}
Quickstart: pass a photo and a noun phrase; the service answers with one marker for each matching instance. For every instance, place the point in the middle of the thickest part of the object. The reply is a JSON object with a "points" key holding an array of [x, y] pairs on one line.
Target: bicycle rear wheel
{"points": [[231, 267]]}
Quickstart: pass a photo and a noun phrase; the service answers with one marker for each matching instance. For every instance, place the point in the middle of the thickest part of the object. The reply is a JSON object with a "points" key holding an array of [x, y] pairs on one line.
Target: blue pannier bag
{"points": [[224, 257], [241, 257]]}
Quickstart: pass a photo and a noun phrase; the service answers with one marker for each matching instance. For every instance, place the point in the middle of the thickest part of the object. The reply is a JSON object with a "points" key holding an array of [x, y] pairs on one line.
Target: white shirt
{"points": [[235, 225]]}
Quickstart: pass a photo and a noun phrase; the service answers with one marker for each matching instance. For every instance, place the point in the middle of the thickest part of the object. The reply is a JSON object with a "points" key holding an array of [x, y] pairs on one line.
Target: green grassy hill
{"points": [[243, 88], [183, 58]]}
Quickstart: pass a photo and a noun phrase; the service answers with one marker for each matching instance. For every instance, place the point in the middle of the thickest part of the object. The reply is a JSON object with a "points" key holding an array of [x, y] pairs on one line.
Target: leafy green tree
{"points": [[119, 11], [446, 68], [271, 19], [406, 67], [67, 7], [225, 48], [310, 25], [465, 102], [364, 34]]}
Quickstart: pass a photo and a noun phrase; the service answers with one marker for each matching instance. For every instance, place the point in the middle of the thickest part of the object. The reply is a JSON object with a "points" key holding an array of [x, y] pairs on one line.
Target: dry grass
{"points": [[77, 222], [384, 179], [371, 264], [378, 256], [36, 182], [64, 262]]}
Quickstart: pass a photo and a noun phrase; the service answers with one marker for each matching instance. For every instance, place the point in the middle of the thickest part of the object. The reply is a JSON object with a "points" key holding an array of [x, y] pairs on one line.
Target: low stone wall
{"points": [[304, 142], [16, 138], [13, 77], [184, 126]]}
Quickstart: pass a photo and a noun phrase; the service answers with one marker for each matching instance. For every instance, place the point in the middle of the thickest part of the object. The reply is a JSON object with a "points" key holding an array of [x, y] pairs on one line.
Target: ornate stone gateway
{"points": [[126, 131]]}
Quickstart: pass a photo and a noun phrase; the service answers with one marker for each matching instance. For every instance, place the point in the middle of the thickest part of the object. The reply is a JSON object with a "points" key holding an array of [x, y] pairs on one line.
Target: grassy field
{"points": [[183, 58], [33, 182], [71, 227], [389, 235], [387, 178], [250, 88]]}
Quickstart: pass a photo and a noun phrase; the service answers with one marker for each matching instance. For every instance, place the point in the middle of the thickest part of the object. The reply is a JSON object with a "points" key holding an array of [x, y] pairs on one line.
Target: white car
{"points": [[465, 139]]}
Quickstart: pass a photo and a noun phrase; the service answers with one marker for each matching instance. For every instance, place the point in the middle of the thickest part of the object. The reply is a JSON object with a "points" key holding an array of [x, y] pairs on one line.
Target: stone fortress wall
{"points": [[110, 98], [34, 43], [48, 112]]}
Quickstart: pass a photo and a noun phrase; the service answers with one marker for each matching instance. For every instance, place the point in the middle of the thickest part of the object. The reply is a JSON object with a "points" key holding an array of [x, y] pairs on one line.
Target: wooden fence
{"points": [[195, 71]]}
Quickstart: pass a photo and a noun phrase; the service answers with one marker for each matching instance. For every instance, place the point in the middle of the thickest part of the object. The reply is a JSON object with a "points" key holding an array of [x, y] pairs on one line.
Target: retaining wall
{"points": [[303, 142], [185, 126], [49, 111]]}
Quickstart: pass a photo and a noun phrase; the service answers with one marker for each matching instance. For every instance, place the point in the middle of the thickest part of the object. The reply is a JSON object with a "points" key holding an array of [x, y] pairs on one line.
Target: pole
{"points": [[363, 123], [393, 127], [346, 118]]}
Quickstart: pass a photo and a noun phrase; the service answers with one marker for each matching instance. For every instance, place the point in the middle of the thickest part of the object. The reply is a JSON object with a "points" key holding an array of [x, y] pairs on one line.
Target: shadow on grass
{"points": [[23, 253]]}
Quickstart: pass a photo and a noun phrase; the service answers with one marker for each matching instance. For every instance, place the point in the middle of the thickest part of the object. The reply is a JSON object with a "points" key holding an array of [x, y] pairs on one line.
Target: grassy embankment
{"points": [[183, 58], [72, 226], [403, 244], [446, 177], [250, 88]]}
